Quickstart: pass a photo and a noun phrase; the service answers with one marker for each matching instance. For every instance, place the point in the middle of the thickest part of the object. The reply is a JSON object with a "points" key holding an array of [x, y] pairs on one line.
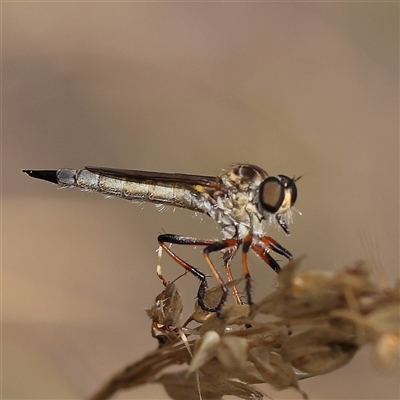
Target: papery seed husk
{"points": [[319, 350], [205, 349], [273, 369], [387, 350], [232, 352]]}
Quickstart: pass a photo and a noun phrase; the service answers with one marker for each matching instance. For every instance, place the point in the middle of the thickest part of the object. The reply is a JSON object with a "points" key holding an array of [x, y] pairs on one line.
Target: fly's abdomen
{"points": [[135, 191]]}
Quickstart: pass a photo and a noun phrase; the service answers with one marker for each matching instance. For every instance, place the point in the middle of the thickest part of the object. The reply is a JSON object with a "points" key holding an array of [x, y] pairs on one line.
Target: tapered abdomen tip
{"points": [[46, 175]]}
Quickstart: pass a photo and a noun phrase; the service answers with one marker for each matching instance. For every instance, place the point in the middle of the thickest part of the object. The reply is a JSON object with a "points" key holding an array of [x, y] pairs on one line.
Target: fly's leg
{"points": [[245, 249], [211, 246], [263, 252], [218, 246], [189, 268], [235, 291], [159, 273]]}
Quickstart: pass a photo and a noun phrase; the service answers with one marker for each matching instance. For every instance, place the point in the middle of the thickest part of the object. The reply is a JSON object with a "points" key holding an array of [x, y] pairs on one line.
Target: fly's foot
{"points": [[202, 294]]}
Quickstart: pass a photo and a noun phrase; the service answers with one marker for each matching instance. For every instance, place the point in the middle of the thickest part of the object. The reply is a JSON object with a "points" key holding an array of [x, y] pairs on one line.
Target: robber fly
{"points": [[242, 200]]}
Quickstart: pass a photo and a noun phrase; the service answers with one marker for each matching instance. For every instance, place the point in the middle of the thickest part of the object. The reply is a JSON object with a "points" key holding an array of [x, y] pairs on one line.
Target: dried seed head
{"points": [[314, 322]]}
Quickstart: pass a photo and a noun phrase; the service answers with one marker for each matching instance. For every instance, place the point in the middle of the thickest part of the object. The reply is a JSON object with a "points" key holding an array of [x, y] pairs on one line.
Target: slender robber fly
{"points": [[243, 200]]}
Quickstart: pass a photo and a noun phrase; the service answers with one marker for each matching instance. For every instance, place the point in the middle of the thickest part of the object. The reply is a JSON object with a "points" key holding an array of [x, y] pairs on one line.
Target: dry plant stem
{"points": [[314, 323], [141, 372]]}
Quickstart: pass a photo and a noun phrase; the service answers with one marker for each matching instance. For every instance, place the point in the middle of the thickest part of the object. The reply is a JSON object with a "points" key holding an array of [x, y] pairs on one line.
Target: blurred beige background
{"points": [[297, 88]]}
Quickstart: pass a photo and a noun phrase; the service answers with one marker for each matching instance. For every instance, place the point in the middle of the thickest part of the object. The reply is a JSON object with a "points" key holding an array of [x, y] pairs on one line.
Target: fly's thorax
{"points": [[236, 210], [243, 177], [205, 204]]}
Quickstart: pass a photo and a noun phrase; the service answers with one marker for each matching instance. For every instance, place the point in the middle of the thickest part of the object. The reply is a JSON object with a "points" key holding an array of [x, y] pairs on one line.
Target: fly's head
{"points": [[277, 195]]}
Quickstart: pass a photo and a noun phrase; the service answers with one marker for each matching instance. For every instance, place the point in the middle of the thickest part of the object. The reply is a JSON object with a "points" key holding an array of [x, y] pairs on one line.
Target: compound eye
{"points": [[272, 194], [290, 185], [294, 194]]}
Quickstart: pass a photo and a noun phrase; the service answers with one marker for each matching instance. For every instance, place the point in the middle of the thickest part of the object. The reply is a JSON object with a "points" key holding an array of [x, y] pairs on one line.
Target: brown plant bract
{"points": [[312, 324]]}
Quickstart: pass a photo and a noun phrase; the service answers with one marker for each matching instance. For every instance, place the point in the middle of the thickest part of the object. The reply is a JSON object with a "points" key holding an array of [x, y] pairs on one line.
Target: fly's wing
{"points": [[209, 183]]}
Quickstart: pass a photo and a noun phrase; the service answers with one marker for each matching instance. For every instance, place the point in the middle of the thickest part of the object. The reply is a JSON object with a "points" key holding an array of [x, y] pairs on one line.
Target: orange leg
{"points": [[211, 246], [261, 249], [235, 291]]}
